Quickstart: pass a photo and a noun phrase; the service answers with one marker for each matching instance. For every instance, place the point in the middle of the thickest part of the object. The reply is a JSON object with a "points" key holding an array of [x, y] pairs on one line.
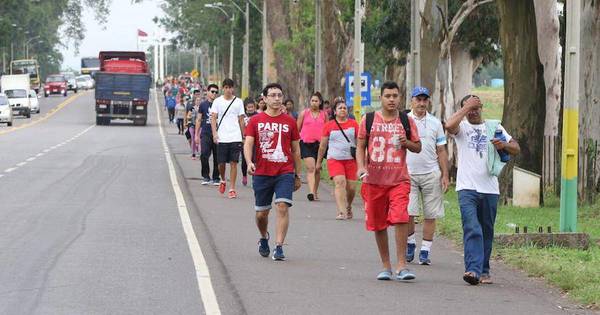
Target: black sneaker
{"points": [[278, 253], [263, 246]]}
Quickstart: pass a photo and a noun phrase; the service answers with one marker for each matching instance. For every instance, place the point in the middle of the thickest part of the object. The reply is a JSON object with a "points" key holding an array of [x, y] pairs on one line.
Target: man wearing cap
{"points": [[428, 172]]}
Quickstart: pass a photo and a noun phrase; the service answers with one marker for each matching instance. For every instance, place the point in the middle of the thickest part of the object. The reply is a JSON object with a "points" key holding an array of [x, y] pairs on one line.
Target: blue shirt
{"points": [[205, 123]]}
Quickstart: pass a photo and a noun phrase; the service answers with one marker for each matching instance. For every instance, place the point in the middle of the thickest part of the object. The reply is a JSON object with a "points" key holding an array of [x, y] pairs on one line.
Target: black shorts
{"points": [[309, 150], [229, 152]]}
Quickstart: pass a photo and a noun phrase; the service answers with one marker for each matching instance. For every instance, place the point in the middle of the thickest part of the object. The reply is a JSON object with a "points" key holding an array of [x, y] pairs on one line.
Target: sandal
{"points": [[340, 216], [310, 197], [485, 279], [471, 278], [349, 214]]}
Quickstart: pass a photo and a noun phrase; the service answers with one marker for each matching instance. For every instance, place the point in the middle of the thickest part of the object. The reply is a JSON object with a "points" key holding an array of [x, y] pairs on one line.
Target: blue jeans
{"points": [[478, 213]]}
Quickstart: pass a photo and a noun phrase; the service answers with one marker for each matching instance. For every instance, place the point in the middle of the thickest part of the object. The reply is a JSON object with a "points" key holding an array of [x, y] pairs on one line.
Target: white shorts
{"points": [[426, 193]]}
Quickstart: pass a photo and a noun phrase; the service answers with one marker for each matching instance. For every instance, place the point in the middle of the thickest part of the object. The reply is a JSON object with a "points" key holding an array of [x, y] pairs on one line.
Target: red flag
{"points": [[142, 33]]}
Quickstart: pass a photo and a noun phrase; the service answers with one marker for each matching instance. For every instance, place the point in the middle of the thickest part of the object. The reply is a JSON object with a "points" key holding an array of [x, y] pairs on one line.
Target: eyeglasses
{"points": [[277, 95], [214, 91]]}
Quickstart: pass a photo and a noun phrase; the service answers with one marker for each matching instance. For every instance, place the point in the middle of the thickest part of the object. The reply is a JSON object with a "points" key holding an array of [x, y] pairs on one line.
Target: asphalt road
{"points": [[91, 223]]}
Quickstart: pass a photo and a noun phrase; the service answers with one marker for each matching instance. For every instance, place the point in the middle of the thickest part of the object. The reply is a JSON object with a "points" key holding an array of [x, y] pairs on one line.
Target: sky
{"points": [[119, 32]]}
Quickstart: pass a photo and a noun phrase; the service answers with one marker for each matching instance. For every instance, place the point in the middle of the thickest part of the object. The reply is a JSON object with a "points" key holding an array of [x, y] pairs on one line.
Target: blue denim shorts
{"points": [[265, 186]]}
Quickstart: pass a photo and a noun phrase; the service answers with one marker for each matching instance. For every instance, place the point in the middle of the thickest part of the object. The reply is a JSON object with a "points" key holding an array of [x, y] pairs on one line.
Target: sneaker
{"points": [[410, 252], [404, 275], [278, 253], [205, 181], [215, 182], [263, 246], [245, 180], [424, 257], [385, 275], [193, 156], [232, 194], [222, 187]]}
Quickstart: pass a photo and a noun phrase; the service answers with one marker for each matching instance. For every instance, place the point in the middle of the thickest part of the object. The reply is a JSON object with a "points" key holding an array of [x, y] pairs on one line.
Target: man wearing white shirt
{"points": [[227, 123], [428, 175], [477, 183]]}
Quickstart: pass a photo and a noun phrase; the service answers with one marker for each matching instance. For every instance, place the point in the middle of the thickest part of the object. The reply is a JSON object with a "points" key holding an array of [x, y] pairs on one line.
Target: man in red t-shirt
{"points": [[275, 167], [386, 183]]}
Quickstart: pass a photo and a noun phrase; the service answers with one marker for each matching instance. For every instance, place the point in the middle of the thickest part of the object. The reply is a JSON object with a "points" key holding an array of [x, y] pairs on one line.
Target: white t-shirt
{"points": [[472, 173], [432, 135], [229, 130]]}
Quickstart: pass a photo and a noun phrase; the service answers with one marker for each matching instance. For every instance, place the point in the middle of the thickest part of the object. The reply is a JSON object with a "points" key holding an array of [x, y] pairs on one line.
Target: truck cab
{"points": [[122, 87], [16, 88]]}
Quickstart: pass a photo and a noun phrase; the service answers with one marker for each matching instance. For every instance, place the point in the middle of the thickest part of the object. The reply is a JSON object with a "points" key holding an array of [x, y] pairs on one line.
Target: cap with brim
{"points": [[419, 90]]}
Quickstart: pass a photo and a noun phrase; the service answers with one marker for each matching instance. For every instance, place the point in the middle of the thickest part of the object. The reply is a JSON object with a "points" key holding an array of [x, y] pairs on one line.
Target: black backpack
{"points": [[403, 118]]}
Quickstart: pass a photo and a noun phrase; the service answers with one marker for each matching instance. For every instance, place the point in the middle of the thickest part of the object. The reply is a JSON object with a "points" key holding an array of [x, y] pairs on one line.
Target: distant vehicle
{"points": [[6, 114], [85, 82], [122, 87], [30, 67], [16, 87], [90, 65], [55, 84], [71, 81], [34, 102]]}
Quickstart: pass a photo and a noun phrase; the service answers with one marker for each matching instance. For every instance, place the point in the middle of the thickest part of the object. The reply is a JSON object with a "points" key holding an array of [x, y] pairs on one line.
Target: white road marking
{"points": [[9, 170], [207, 292]]}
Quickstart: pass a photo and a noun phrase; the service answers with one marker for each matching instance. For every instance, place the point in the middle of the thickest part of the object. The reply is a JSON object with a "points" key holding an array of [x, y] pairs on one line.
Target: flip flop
{"points": [[471, 278]]}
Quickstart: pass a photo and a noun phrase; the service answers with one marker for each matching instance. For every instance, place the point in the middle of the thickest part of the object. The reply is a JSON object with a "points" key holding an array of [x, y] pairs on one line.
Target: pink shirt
{"points": [[312, 128]]}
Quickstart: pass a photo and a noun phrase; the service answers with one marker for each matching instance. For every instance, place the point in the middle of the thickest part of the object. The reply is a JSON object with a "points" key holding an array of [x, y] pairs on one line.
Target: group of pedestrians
{"points": [[400, 156]]}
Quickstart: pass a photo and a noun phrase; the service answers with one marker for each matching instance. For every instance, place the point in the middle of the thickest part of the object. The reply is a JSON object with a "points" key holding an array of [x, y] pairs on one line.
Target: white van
{"points": [[16, 88], [6, 115]]}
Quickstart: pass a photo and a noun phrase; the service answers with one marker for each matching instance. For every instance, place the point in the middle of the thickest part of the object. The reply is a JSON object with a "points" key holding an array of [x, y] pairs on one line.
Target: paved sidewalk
{"points": [[332, 264]]}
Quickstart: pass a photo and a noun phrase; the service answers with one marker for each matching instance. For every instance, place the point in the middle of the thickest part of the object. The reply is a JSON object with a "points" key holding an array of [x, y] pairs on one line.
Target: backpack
{"points": [[403, 119]]}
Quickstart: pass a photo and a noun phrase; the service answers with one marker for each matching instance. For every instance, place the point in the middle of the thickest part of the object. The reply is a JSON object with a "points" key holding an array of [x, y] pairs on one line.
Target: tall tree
{"points": [[589, 98], [524, 89]]}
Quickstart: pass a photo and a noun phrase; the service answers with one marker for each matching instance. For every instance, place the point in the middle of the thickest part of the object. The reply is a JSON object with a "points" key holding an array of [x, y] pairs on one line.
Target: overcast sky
{"points": [[119, 33]]}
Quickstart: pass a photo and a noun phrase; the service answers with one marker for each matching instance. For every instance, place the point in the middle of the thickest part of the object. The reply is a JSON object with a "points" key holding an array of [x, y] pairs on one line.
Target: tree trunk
{"points": [[337, 52], [589, 100], [463, 67], [524, 90], [546, 17], [431, 37]]}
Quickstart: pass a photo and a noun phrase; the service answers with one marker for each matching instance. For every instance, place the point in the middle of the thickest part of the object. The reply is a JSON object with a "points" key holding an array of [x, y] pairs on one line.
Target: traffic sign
{"points": [[365, 88], [195, 73]]}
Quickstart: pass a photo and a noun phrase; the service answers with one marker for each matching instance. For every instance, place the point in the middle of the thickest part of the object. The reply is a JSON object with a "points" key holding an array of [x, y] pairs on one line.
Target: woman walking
{"points": [[179, 115], [340, 135], [310, 123]]}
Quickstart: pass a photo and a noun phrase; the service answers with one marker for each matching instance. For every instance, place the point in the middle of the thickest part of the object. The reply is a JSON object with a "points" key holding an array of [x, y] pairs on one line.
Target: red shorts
{"points": [[385, 205], [347, 168]]}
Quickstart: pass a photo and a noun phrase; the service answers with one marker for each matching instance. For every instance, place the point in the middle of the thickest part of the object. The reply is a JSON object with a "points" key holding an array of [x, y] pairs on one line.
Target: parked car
{"points": [[55, 84], [85, 82], [34, 104], [6, 114], [71, 81]]}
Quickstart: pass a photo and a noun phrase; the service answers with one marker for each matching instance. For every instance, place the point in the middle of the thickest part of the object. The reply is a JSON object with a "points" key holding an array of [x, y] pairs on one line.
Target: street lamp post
{"points": [[218, 5], [27, 46], [318, 58], [357, 60]]}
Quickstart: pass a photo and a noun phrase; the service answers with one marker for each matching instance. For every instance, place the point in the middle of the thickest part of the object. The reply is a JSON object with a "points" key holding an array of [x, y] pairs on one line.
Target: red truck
{"points": [[122, 87]]}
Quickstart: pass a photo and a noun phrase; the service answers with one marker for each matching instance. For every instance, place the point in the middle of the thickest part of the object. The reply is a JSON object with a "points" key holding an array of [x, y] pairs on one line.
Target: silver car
{"points": [[6, 114]]}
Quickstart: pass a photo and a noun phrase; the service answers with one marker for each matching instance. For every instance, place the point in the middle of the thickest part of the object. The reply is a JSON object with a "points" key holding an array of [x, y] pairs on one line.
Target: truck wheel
{"points": [[75, 90], [45, 94], [9, 124], [28, 115], [99, 121]]}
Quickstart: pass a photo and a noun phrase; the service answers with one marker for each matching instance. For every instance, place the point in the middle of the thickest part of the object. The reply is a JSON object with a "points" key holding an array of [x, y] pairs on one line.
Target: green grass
{"points": [[577, 272], [493, 101]]}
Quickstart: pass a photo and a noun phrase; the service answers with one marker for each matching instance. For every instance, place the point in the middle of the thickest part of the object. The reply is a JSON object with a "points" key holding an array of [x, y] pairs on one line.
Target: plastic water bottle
{"points": [[504, 156]]}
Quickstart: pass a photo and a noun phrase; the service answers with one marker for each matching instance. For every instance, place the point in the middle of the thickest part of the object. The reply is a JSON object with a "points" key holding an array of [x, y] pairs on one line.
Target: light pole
{"points": [[568, 188], [27, 46], [318, 58], [218, 5], [357, 60]]}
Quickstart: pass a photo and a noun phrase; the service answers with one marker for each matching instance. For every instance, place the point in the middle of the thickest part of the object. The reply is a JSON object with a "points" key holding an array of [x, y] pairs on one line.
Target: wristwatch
{"points": [[296, 176]]}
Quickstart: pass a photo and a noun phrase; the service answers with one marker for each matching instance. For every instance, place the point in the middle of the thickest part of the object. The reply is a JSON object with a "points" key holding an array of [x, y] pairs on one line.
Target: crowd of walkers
{"points": [[399, 155]]}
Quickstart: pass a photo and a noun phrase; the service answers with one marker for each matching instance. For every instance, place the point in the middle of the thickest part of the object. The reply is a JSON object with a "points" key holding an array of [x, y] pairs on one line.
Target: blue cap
{"points": [[419, 90]]}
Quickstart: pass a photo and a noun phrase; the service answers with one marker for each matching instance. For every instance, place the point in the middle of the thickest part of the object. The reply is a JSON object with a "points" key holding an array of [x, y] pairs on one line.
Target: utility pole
{"points": [[231, 48], [318, 50], [155, 57], [357, 44], [414, 65], [216, 70], [568, 191], [246, 55], [161, 60]]}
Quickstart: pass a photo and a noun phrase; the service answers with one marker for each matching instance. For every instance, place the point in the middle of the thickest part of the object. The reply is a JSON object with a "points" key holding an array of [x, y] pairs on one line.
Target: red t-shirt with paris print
{"points": [[273, 138], [386, 157]]}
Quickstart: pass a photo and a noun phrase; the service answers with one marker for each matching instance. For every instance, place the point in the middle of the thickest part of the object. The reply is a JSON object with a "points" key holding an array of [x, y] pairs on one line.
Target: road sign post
{"points": [[364, 91]]}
